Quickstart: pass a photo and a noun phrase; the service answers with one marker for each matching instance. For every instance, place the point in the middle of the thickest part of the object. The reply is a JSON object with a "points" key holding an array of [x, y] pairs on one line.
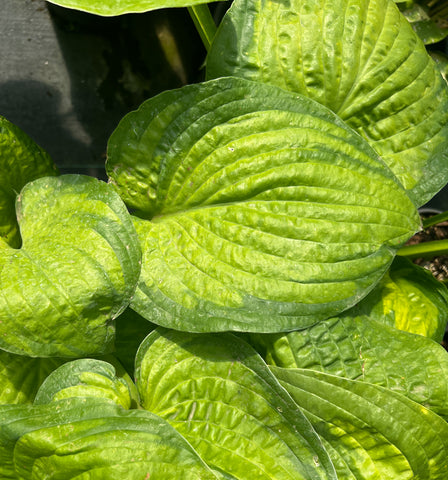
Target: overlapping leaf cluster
{"points": [[254, 294]]}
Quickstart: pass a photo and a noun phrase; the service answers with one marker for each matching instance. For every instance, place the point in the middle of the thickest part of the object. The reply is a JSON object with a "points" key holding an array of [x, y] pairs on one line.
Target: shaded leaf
{"points": [[131, 330], [442, 63], [21, 377], [21, 160], [429, 29]]}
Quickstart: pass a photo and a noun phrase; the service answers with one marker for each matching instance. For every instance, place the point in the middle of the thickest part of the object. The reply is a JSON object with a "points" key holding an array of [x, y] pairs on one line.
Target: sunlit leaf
{"points": [[119, 7], [373, 433], [76, 270], [360, 58], [219, 394], [257, 209], [92, 438], [359, 348]]}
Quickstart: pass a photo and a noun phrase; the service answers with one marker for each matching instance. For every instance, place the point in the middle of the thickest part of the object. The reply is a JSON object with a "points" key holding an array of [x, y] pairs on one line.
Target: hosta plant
{"points": [[231, 305]]}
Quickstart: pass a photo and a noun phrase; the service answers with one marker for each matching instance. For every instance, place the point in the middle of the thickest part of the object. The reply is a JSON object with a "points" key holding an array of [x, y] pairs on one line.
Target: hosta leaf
{"points": [[219, 394], [430, 30], [93, 439], [360, 348], [375, 433], [361, 59], [21, 160], [119, 7], [409, 298], [85, 378], [75, 272], [17, 420], [21, 377], [262, 211]]}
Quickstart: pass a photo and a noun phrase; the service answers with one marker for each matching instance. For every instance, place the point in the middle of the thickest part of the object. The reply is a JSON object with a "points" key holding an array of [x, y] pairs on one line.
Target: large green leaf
{"points": [[219, 394], [259, 209], [75, 272], [21, 377], [21, 160], [370, 431], [360, 58], [92, 438], [119, 7], [359, 348]]}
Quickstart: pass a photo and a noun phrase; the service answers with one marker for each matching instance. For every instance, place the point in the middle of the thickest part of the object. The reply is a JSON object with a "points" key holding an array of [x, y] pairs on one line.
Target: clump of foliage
{"points": [[255, 315]]}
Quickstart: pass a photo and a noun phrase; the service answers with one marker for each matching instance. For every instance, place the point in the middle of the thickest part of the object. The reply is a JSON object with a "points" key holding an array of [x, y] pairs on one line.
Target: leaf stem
{"points": [[204, 23], [435, 219], [425, 249], [429, 249]]}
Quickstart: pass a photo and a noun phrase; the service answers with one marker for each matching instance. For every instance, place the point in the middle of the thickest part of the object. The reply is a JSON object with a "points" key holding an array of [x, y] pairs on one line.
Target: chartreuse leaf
{"points": [[16, 420], [75, 272], [374, 433], [119, 7], [85, 378], [219, 394], [21, 160], [409, 298], [21, 377], [360, 348], [92, 438], [360, 58], [258, 209]]}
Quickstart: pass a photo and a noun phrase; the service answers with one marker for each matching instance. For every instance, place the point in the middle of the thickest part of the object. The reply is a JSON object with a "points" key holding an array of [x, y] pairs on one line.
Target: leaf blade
{"points": [[252, 199], [397, 437], [227, 391], [76, 271], [366, 64]]}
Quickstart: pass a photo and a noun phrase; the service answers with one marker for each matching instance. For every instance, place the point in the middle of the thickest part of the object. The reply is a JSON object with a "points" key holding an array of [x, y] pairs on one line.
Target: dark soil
{"points": [[438, 265]]}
